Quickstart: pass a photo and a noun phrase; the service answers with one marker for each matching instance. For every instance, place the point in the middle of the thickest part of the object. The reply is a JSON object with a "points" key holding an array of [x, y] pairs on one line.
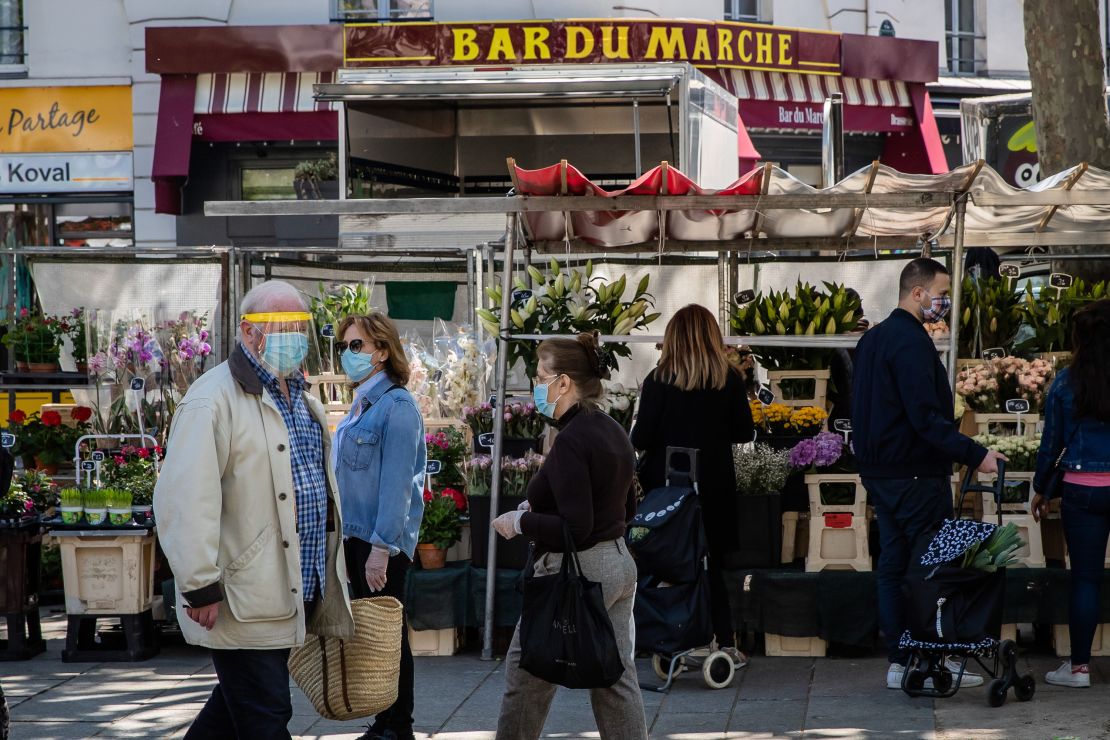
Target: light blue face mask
{"points": [[357, 365], [539, 396], [284, 352]]}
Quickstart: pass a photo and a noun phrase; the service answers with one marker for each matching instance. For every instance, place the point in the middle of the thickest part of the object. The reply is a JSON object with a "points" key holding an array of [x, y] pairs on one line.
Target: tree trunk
{"points": [[1067, 71]]}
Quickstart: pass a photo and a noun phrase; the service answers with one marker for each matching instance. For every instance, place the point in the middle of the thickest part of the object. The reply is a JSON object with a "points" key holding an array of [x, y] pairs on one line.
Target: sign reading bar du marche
{"points": [[65, 173]]}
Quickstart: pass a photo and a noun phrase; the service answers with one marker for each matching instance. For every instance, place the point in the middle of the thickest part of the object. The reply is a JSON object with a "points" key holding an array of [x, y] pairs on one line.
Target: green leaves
{"points": [[1049, 315], [997, 551]]}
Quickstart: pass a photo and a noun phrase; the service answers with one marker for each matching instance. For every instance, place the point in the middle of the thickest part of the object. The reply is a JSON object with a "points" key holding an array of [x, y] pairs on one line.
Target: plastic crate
{"points": [[1029, 422], [781, 646], [838, 533], [820, 380], [430, 643], [795, 535], [1031, 554], [108, 572]]}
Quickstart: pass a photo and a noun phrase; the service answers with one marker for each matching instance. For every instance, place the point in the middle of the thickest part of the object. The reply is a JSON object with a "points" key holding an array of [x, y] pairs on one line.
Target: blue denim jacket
{"points": [[1089, 448], [380, 471]]}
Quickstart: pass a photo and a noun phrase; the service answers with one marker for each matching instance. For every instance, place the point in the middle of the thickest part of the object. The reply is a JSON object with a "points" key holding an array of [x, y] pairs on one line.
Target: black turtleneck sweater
{"points": [[586, 482]]}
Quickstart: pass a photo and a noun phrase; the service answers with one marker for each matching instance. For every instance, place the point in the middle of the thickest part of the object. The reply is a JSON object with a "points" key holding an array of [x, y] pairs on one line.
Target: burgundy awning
{"points": [[173, 140]]}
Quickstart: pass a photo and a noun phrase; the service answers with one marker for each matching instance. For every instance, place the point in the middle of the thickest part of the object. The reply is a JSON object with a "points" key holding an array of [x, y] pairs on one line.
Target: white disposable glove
{"points": [[508, 525], [376, 566], [524, 506]]}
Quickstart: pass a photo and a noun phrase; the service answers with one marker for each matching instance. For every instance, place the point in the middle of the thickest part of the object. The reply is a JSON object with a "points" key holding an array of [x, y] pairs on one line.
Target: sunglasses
{"points": [[355, 346]]}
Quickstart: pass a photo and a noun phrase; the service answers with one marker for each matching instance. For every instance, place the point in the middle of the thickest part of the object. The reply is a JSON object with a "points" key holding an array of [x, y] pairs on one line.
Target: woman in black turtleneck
{"points": [[586, 483]]}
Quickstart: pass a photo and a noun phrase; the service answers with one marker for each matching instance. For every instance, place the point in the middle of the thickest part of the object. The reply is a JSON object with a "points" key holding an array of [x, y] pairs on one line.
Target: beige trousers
{"points": [[619, 709]]}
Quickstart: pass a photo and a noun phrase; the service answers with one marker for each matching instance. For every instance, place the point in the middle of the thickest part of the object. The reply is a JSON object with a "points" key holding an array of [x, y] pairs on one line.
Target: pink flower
{"points": [[508, 417]]}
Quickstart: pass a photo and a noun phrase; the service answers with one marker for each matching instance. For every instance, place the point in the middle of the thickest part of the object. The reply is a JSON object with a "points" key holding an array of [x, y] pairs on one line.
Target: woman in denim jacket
{"points": [[380, 459], [1077, 419]]}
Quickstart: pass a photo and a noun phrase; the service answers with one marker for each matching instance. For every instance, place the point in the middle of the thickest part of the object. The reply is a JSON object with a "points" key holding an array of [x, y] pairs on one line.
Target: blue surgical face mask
{"points": [[539, 395], [284, 352], [357, 365]]}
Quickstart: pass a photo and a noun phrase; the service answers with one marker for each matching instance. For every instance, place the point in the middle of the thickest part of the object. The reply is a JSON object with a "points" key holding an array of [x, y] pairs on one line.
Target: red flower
{"points": [[17, 417], [427, 495], [81, 414], [143, 452], [51, 419], [118, 460], [460, 499]]}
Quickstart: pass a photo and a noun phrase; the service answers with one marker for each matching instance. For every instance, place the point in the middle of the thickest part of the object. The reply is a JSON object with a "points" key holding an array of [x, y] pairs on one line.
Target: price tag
{"points": [[138, 384], [88, 466], [7, 440], [1060, 280], [521, 296], [434, 467], [1009, 270], [838, 521], [98, 456], [743, 297], [492, 399], [1017, 406], [842, 425], [327, 330], [765, 396], [994, 353], [486, 440]]}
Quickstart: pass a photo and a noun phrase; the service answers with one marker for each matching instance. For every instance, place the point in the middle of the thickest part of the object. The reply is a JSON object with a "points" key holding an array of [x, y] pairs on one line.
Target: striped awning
{"points": [[807, 88], [260, 92]]}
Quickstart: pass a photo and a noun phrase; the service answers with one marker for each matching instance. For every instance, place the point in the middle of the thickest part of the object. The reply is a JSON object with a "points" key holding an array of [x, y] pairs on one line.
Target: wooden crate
{"points": [[1020, 514], [820, 380], [795, 535], [1009, 632], [781, 646], [837, 548], [1061, 641], [431, 643], [1029, 423]]}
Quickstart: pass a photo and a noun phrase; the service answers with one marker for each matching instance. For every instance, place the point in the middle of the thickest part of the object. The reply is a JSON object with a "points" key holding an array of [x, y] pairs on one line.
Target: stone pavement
{"points": [[458, 698]]}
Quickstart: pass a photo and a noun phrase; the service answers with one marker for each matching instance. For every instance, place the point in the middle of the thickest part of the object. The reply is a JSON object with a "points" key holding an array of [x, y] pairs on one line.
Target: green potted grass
{"points": [[73, 505], [96, 506], [119, 506]]}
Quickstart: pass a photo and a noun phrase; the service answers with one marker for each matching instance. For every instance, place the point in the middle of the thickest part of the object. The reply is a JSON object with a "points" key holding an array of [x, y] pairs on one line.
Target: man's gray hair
{"points": [[262, 297]]}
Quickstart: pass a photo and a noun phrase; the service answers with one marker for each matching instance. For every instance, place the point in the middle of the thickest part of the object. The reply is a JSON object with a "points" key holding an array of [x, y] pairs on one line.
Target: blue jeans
{"points": [[906, 508], [1086, 516]]}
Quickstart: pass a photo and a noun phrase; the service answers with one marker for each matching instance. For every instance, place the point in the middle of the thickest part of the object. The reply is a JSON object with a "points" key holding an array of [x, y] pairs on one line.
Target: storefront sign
{"points": [[705, 44], [65, 119], [773, 114], [65, 173]]}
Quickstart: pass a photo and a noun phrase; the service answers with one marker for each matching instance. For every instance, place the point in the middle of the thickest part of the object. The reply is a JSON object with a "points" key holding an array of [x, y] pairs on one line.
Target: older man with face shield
{"points": [[249, 518]]}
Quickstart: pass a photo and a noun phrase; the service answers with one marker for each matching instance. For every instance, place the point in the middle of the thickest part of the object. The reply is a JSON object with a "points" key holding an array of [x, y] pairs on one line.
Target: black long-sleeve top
{"points": [[586, 481]]}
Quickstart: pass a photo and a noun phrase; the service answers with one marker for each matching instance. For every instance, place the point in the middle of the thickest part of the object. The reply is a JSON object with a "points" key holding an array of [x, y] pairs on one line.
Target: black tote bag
{"points": [[566, 637]]}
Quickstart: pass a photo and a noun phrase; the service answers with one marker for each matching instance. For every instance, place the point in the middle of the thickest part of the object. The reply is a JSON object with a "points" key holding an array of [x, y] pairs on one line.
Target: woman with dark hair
{"points": [[1077, 432], [380, 457], [586, 486], [694, 398]]}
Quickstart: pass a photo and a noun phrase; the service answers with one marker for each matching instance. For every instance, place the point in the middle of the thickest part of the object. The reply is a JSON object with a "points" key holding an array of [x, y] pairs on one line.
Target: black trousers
{"points": [[399, 716]]}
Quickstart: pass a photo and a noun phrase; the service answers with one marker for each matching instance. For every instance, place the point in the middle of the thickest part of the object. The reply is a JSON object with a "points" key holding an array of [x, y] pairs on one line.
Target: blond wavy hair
{"points": [[693, 351]]}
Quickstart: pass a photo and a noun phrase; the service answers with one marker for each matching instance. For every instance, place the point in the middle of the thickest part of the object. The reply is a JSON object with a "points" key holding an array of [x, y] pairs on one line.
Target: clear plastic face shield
{"points": [[284, 342]]}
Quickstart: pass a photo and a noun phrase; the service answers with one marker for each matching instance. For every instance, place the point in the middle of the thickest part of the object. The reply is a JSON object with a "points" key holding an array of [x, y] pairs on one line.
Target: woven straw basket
{"points": [[348, 679]]}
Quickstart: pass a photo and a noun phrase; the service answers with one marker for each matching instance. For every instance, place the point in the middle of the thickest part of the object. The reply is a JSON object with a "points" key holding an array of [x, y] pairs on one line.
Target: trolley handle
{"points": [[686, 474], [996, 488]]}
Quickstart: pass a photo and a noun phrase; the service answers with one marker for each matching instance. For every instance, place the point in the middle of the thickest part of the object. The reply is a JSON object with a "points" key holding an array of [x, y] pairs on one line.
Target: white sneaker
{"points": [[1078, 677], [969, 680], [894, 676]]}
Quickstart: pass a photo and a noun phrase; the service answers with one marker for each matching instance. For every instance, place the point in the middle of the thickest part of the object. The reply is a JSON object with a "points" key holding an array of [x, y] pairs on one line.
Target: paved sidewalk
{"points": [[458, 699]]}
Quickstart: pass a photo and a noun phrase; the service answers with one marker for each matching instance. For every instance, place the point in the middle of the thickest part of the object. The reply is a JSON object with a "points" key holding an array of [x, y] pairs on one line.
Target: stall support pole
{"points": [[636, 134], [500, 381], [957, 291], [722, 289], [225, 304]]}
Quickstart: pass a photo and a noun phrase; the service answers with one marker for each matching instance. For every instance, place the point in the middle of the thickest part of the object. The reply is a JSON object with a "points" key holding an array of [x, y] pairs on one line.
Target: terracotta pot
{"points": [[49, 469], [43, 367], [83, 368], [431, 557]]}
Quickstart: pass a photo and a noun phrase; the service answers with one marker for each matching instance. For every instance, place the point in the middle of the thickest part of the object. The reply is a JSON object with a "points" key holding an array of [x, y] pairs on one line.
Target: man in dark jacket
{"points": [[906, 439]]}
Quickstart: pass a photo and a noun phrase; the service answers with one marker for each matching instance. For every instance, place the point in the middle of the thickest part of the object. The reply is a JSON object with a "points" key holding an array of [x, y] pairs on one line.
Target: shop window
{"points": [[93, 225], [12, 33], [745, 11], [960, 37], [383, 10], [267, 183]]}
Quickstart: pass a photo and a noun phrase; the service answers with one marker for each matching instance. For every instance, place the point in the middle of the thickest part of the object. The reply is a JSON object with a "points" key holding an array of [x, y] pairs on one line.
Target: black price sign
{"points": [[434, 467], [994, 353], [327, 330], [1018, 406], [88, 466], [1060, 280], [492, 399], [486, 440], [521, 296], [765, 396], [1009, 270], [842, 425], [743, 297], [7, 440], [138, 384], [98, 456]]}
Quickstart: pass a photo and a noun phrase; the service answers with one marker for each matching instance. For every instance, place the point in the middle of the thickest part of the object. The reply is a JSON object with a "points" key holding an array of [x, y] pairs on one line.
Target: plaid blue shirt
{"points": [[310, 483]]}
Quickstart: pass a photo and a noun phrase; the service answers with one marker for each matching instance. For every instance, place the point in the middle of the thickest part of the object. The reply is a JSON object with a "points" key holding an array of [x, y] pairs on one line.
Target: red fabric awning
{"points": [[314, 126], [173, 140]]}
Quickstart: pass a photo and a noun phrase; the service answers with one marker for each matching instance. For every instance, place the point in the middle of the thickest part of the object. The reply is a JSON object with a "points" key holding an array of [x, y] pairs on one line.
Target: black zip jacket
{"points": [[902, 408]]}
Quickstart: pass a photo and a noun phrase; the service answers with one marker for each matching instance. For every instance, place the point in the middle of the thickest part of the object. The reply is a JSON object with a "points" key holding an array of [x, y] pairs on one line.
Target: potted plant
{"points": [[45, 440], [440, 528], [523, 431], [448, 446], [35, 341], [78, 339], [1048, 313], [761, 475], [131, 469], [41, 489], [516, 474], [73, 505], [95, 501], [316, 179], [119, 506]]}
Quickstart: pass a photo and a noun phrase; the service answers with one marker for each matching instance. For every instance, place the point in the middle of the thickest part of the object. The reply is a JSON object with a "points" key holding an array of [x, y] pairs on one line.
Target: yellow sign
{"points": [[65, 119]]}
